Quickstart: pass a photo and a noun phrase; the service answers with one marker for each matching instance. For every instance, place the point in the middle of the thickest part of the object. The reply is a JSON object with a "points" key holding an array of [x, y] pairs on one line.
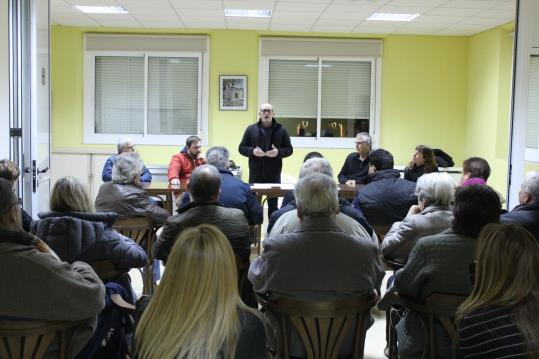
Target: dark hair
{"points": [[475, 206], [430, 162], [381, 159], [477, 167], [7, 197], [9, 170], [313, 154], [205, 183], [191, 139]]}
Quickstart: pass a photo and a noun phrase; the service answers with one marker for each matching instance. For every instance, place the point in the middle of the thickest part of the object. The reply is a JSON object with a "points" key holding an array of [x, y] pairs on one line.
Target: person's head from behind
{"points": [[363, 142], [435, 189], [529, 190], [9, 171], [10, 211], [507, 274], [192, 143], [218, 156], [194, 311], [379, 160], [69, 195], [127, 168], [475, 207], [125, 144], [423, 156], [205, 184], [316, 165], [313, 154], [316, 196], [475, 167]]}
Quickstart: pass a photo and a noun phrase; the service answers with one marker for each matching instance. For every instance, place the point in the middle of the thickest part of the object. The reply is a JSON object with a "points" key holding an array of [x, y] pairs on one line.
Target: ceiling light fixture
{"points": [[385, 16], [247, 13], [101, 9]]}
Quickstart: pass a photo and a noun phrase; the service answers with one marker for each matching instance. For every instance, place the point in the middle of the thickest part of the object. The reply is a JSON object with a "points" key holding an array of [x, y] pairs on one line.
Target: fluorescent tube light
{"points": [[247, 13], [384, 16], [102, 9]]}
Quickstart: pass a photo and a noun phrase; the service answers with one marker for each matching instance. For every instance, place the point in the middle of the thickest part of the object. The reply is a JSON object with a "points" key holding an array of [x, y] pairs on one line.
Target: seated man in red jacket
{"points": [[182, 164]]}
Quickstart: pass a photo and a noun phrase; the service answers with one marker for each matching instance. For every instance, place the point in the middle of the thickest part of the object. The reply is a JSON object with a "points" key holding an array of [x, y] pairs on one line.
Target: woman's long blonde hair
{"points": [[507, 274], [194, 313], [69, 195]]}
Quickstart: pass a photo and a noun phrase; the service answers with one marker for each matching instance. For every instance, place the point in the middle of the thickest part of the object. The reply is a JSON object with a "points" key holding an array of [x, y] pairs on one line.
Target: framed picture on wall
{"points": [[233, 92]]}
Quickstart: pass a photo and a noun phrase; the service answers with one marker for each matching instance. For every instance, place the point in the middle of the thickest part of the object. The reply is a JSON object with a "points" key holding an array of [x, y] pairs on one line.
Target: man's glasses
{"points": [[361, 143], [266, 110]]}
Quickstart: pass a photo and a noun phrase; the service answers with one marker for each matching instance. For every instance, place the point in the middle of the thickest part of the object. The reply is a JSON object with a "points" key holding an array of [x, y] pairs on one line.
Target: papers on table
{"points": [[283, 186]]}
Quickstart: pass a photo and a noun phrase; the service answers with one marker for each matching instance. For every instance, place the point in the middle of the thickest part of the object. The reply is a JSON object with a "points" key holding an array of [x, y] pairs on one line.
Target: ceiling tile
{"points": [[156, 11], [298, 6], [475, 20], [467, 4], [406, 31], [162, 24], [509, 5], [370, 30], [437, 19], [144, 3], [341, 22], [290, 27], [405, 9], [200, 12], [425, 25], [344, 16], [332, 28], [431, 3], [443, 11], [296, 16], [352, 9], [156, 18], [501, 14], [203, 4], [249, 5]]}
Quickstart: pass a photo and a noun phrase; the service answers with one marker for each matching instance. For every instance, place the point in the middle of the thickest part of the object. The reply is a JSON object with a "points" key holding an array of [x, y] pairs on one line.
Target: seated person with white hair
{"points": [[527, 212], [234, 192], [350, 219], [430, 216], [335, 266], [124, 196], [124, 145]]}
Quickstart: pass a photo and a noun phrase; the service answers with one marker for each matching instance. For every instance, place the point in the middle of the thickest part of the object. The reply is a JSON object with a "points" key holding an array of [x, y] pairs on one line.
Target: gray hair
{"points": [[316, 165], [316, 195], [531, 184], [435, 189], [205, 183], [123, 144], [126, 168], [218, 156], [364, 137]]}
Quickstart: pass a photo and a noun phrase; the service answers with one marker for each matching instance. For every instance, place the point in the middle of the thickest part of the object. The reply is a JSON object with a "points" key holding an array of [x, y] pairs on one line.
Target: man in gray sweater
{"points": [[36, 284]]}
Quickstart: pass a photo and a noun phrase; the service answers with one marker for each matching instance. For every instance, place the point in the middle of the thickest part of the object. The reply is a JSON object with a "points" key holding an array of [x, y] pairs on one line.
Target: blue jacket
{"points": [[237, 194], [106, 176]]}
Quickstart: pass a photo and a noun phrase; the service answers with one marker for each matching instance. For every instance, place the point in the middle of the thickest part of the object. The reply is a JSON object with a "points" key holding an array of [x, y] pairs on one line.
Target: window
{"points": [[532, 127], [322, 101], [153, 96]]}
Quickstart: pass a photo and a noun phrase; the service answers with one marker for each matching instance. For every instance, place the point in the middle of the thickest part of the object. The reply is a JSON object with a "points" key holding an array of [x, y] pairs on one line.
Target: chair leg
{"points": [[394, 316]]}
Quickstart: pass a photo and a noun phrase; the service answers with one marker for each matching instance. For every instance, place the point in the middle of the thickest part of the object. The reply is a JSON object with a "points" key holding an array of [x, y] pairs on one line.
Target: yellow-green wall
{"points": [[429, 86]]}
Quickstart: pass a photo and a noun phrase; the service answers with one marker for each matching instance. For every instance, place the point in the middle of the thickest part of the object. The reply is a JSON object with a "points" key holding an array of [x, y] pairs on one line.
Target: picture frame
{"points": [[233, 92]]}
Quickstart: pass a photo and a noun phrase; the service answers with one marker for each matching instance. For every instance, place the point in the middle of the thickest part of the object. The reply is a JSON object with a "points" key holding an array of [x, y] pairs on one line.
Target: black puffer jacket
{"points": [[526, 215], [265, 169], [386, 198], [87, 237]]}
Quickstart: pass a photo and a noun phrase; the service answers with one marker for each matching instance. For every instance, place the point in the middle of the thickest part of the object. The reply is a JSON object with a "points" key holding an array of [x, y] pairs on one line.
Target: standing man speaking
{"points": [[266, 143]]}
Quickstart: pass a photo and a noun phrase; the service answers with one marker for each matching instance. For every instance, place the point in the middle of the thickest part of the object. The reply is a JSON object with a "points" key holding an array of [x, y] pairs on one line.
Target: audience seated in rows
{"points": [[355, 169], [430, 216], [197, 312], [124, 145], [36, 284], [527, 212], [349, 219], [124, 194], [318, 261], [10, 172], [386, 198], [441, 263], [204, 188], [77, 233], [234, 192], [475, 170], [499, 318], [423, 161]]}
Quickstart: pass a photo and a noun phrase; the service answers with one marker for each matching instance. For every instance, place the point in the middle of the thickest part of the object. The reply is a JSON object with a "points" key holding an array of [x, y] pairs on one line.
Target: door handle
{"points": [[43, 170]]}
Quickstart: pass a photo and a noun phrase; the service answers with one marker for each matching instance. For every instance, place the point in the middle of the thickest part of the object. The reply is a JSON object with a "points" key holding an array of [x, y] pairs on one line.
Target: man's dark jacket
{"points": [[526, 215], [354, 169], [265, 169], [386, 198]]}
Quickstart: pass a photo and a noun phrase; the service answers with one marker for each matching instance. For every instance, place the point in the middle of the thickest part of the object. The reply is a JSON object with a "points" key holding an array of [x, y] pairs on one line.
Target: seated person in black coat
{"points": [[423, 161], [356, 166], [527, 212], [10, 172]]}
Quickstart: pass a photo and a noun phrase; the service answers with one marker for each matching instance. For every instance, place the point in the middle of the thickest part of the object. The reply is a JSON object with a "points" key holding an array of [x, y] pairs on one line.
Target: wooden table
{"points": [[277, 190], [165, 189]]}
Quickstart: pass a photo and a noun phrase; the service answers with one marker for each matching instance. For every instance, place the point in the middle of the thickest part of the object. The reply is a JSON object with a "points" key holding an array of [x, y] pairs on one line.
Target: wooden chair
{"points": [[106, 270], [142, 231], [323, 326], [437, 308], [32, 339]]}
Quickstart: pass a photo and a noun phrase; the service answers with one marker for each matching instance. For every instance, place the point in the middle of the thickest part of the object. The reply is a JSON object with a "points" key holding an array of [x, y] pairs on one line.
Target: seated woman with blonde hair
{"points": [[499, 318], [196, 312], [423, 161]]}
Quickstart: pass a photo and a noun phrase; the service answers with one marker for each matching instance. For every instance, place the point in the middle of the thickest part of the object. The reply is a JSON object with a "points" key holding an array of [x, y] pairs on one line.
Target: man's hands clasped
{"points": [[274, 152]]}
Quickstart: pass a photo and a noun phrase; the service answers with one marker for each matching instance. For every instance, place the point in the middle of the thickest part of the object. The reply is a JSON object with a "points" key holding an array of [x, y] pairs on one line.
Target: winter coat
{"points": [[182, 165], [106, 175], [265, 169], [526, 215], [413, 173], [88, 237], [354, 169]]}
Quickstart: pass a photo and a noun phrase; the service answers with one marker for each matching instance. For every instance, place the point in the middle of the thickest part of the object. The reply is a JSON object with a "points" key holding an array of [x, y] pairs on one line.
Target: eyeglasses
{"points": [[266, 110], [361, 143]]}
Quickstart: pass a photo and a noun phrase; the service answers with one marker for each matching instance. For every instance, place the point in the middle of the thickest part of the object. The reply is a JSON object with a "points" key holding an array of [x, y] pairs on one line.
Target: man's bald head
{"points": [[205, 183]]}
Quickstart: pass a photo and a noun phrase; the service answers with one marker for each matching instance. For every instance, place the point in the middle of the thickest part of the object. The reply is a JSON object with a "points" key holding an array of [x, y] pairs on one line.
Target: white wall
{"points": [[4, 81]]}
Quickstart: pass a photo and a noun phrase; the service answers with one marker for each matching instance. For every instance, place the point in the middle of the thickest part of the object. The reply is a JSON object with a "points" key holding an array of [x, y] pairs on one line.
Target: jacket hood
{"points": [[383, 174], [184, 149], [274, 123], [108, 218]]}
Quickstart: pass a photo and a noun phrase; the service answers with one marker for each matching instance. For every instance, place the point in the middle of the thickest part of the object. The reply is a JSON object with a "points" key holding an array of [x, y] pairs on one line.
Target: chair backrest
{"points": [[323, 325], [136, 228], [32, 339], [106, 270]]}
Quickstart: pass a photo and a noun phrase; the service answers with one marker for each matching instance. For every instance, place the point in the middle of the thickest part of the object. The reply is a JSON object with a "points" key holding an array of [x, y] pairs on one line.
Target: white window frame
{"points": [[329, 142], [531, 154], [90, 137]]}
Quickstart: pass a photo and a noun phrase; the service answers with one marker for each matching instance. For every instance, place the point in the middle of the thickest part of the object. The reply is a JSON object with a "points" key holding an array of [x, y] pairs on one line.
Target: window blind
{"points": [[119, 95], [173, 95], [532, 132]]}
